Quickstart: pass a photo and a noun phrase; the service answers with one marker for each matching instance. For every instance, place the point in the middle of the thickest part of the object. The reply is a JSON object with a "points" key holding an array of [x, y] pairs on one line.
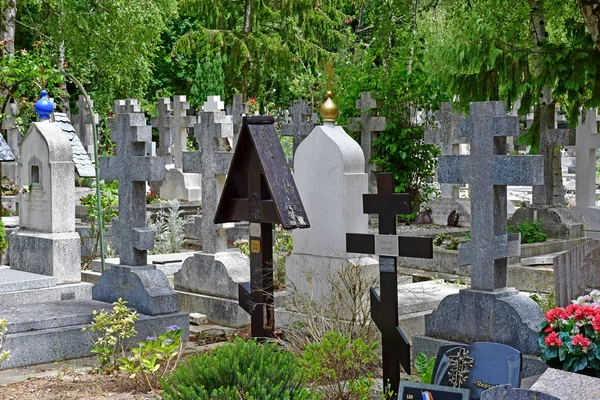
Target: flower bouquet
{"points": [[570, 336]]}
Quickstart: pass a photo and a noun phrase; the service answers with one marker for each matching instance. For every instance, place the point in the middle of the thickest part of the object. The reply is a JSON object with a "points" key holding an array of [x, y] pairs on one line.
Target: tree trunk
{"points": [[9, 19], [590, 9], [64, 101], [247, 31]]}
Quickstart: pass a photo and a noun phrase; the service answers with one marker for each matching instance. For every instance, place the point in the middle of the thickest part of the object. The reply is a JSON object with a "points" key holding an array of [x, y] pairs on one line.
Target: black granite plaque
{"points": [[421, 391]]}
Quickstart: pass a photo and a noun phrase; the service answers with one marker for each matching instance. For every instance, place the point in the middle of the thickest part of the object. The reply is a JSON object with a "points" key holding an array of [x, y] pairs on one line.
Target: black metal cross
{"points": [[395, 348]]}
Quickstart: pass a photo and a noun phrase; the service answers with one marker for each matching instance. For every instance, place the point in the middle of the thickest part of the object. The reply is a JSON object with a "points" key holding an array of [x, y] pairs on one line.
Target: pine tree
{"points": [[208, 81]]}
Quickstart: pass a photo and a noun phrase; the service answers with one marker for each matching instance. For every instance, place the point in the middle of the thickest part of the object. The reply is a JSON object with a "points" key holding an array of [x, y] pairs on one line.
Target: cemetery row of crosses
{"points": [[455, 285]]}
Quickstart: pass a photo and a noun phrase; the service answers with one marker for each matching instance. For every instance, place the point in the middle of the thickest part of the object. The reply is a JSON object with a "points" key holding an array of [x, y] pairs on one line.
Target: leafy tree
{"points": [[209, 79]]}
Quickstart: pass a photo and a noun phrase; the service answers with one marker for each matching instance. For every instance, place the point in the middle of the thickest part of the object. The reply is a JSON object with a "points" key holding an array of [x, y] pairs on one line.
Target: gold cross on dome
{"points": [[330, 70]]}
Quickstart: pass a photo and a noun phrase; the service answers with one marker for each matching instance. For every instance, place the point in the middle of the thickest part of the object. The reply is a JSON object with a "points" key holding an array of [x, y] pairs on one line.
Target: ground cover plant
{"points": [[531, 231]]}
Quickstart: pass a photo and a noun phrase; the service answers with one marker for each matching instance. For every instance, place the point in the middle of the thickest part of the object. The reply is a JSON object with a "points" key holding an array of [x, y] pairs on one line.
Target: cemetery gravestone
{"points": [[144, 287], [507, 392], [369, 127], [10, 168], [586, 145], [83, 165], [576, 272], [448, 140], [567, 385], [46, 242], [260, 189], [208, 281], [418, 391], [237, 110], [303, 122], [172, 123], [82, 123], [488, 311], [384, 307]]}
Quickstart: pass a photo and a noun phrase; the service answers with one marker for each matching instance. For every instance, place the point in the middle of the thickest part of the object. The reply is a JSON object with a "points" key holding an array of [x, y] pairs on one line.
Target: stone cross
{"points": [[132, 169], [587, 142], [550, 193], [237, 110], [303, 122], [212, 160], [446, 138], [82, 123], [369, 127], [13, 139], [395, 348], [172, 123], [489, 170], [213, 103]]}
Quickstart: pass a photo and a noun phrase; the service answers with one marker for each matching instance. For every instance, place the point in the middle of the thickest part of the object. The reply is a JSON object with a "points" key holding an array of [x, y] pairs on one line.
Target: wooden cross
{"points": [[132, 169], [489, 170], [330, 70], [395, 348]]}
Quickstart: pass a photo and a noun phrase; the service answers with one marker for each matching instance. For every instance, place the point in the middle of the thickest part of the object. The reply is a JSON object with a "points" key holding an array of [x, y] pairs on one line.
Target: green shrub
{"points": [[238, 370], [3, 241], [531, 231], [4, 354], [424, 367]]}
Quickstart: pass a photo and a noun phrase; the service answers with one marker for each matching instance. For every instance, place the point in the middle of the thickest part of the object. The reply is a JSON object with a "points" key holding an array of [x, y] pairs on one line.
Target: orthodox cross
{"points": [[132, 169], [82, 123], [212, 161], [330, 70], [369, 127], [260, 189], [237, 110], [489, 170], [172, 123], [395, 348], [303, 122]]}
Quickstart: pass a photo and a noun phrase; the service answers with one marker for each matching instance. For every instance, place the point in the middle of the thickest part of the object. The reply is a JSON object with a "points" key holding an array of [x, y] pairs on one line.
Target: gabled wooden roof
{"points": [[260, 187]]}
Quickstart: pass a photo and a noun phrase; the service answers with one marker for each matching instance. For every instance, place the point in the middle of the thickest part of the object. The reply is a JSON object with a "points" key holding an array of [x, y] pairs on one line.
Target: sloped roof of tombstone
{"points": [[259, 136], [6, 153], [83, 164]]}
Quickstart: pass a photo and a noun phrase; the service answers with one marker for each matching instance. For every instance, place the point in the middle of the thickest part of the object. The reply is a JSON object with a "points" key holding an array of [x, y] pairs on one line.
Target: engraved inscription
{"points": [[387, 264], [255, 246], [386, 245]]}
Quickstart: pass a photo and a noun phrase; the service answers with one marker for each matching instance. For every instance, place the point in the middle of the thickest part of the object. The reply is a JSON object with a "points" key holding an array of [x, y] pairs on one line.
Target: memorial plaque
{"points": [[422, 391], [386, 245], [479, 367]]}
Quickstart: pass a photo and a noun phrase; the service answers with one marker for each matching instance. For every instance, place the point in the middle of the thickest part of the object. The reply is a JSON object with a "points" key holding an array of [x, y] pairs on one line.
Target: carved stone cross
{"points": [[82, 123], [303, 122]]}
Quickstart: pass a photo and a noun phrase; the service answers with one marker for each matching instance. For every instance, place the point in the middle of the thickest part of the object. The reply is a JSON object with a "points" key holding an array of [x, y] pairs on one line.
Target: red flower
{"points": [[252, 100], [581, 341], [555, 313], [553, 340], [548, 329], [596, 323]]}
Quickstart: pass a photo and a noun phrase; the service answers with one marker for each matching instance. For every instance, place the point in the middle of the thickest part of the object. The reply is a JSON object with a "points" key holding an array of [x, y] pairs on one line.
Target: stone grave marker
{"points": [[507, 392], [172, 123], [576, 272], [568, 385], [237, 110], [144, 287], [46, 242], [82, 123], [388, 246], [447, 139], [369, 126], [417, 391], [10, 168], [83, 165], [586, 145], [303, 122], [479, 367], [208, 282], [260, 189], [472, 315]]}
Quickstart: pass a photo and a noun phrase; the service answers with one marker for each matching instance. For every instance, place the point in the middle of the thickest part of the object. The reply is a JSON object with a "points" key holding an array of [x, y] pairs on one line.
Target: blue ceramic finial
{"points": [[44, 106]]}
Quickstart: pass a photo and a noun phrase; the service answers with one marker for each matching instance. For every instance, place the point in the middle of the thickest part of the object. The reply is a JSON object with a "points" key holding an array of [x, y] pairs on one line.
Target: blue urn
{"points": [[44, 107]]}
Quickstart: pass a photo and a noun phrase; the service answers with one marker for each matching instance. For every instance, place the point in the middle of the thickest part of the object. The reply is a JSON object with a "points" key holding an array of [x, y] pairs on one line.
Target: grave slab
{"points": [[568, 385], [507, 392], [71, 291], [12, 280]]}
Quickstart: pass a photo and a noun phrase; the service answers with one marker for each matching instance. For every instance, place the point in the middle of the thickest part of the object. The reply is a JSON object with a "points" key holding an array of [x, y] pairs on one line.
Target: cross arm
{"points": [[389, 245], [192, 162], [388, 204], [505, 246], [507, 170]]}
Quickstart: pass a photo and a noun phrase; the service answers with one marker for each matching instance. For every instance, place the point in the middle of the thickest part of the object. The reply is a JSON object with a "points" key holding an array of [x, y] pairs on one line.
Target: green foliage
{"points": [[9, 188], [167, 228], [446, 241], [238, 370], [337, 361], [153, 358], [4, 354], [531, 231], [109, 202], [114, 328], [3, 240], [424, 367], [546, 301], [208, 80]]}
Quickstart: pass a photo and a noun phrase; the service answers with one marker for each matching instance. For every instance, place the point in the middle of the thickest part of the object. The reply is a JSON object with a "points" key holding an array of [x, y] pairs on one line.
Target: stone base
{"points": [[504, 316], [180, 186], [144, 288], [52, 254], [557, 222], [442, 207], [532, 364], [50, 332], [71, 291], [326, 282], [218, 310]]}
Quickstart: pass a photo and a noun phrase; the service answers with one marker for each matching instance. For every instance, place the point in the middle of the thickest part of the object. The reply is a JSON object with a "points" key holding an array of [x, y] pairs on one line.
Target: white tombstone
{"points": [[587, 142], [46, 242], [213, 103], [329, 170]]}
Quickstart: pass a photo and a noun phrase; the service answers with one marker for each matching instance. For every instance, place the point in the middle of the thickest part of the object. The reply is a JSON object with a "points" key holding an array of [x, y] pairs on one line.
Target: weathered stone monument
{"points": [[576, 272], [144, 287], [237, 110], [332, 197], [83, 165], [82, 123], [208, 281], [586, 145], [10, 169], [448, 141], [303, 122], [488, 311], [369, 126], [260, 189], [46, 242], [172, 123]]}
